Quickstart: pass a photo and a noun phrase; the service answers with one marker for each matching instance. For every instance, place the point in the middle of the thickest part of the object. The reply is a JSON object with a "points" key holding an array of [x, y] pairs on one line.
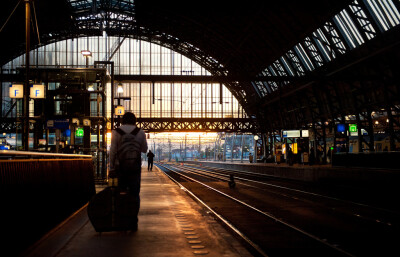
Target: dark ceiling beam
{"points": [[219, 79], [185, 78], [232, 79]]}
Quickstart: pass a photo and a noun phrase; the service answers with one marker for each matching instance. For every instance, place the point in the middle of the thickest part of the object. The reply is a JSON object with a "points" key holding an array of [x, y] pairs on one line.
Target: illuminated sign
{"points": [[353, 127], [294, 148], [37, 91], [79, 132], [58, 124], [67, 132], [16, 91], [75, 121], [291, 133], [86, 122], [304, 133], [108, 137], [50, 123], [119, 110], [340, 128]]}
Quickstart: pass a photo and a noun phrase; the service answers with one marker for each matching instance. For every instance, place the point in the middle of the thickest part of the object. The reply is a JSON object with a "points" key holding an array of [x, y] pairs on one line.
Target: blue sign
{"points": [[67, 133], [59, 124], [340, 127]]}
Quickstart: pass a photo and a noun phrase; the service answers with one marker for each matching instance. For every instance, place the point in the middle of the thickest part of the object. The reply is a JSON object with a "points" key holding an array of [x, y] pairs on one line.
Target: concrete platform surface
{"points": [[170, 224]]}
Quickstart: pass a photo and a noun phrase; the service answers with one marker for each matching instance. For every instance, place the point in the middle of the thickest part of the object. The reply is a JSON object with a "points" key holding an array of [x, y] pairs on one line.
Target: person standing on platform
{"points": [[127, 143], [250, 158], [312, 156], [150, 157], [290, 157]]}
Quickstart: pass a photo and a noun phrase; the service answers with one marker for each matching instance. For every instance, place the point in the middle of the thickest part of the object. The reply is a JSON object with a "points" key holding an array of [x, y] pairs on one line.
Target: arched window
{"points": [[139, 57]]}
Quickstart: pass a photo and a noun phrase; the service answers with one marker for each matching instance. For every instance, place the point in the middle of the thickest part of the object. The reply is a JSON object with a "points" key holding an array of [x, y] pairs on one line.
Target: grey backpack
{"points": [[129, 147]]}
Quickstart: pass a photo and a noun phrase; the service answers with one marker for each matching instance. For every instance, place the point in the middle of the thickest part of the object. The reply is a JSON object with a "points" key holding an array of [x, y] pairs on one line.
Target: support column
{"points": [[233, 143], [25, 135], [104, 127], [184, 158], [242, 147], [265, 144], [324, 140], [215, 150], [273, 141], [370, 132], [359, 133], [224, 154], [98, 135], [392, 145], [255, 150]]}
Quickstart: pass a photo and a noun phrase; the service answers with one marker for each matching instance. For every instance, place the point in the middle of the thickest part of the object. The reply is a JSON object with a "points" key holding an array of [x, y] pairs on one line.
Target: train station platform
{"points": [[171, 223]]}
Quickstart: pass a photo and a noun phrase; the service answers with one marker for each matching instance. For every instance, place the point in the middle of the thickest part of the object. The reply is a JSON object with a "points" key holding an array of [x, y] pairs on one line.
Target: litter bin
{"points": [[278, 158], [304, 157]]}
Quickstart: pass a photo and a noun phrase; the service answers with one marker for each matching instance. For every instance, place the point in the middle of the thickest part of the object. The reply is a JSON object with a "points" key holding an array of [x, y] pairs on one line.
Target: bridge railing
{"points": [[39, 190]]}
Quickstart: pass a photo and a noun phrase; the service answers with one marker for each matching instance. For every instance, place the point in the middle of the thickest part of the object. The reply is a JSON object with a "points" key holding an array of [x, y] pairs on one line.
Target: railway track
{"points": [[281, 219]]}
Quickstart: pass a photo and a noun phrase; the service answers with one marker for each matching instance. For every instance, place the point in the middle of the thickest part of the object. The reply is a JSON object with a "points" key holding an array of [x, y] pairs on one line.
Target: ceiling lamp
{"points": [[120, 89]]}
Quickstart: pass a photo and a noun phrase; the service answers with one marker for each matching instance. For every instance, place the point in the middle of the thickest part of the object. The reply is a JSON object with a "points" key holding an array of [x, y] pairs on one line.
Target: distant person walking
{"points": [[150, 157]]}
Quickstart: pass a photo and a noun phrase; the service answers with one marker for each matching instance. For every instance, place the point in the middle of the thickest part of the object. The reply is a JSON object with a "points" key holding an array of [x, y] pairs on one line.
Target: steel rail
{"points": [[202, 172], [269, 215], [230, 225], [295, 190]]}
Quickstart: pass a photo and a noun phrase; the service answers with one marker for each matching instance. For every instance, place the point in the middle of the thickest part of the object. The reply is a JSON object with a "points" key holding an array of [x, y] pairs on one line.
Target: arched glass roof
{"points": [[138, 57], [356, 24]]}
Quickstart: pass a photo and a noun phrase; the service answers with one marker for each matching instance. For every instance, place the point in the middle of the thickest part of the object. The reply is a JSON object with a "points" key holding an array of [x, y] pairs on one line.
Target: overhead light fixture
{"points": [[90, 87], [120, 89], [86, 53]]}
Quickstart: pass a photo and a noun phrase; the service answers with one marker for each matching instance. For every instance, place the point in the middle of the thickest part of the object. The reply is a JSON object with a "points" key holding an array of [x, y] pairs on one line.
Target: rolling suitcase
{"points": [[113, 210]]}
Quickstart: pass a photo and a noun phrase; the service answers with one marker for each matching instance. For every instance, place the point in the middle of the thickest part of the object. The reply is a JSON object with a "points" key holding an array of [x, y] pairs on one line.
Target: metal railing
{"points": [[10, 155]]}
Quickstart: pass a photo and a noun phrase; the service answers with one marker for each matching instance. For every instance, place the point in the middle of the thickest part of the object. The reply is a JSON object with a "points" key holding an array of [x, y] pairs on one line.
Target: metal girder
{"points": [[362, 20], [197, 125], [335, 39], [312, 51], [232, 79], [9, 125]]}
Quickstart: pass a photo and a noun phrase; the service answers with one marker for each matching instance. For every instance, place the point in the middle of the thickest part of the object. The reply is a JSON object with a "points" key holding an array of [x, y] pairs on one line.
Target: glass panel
{"points": [[384, 12], [286, 65], [335, 37], [314, 52], [132, 56], [348, 29], [363, 20], [303, 57], [295, 62], [323, 45]]}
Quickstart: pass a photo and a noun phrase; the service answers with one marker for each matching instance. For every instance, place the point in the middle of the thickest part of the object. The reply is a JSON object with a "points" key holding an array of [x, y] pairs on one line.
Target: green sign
{"points": [[79, 132], [353, 127]]}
